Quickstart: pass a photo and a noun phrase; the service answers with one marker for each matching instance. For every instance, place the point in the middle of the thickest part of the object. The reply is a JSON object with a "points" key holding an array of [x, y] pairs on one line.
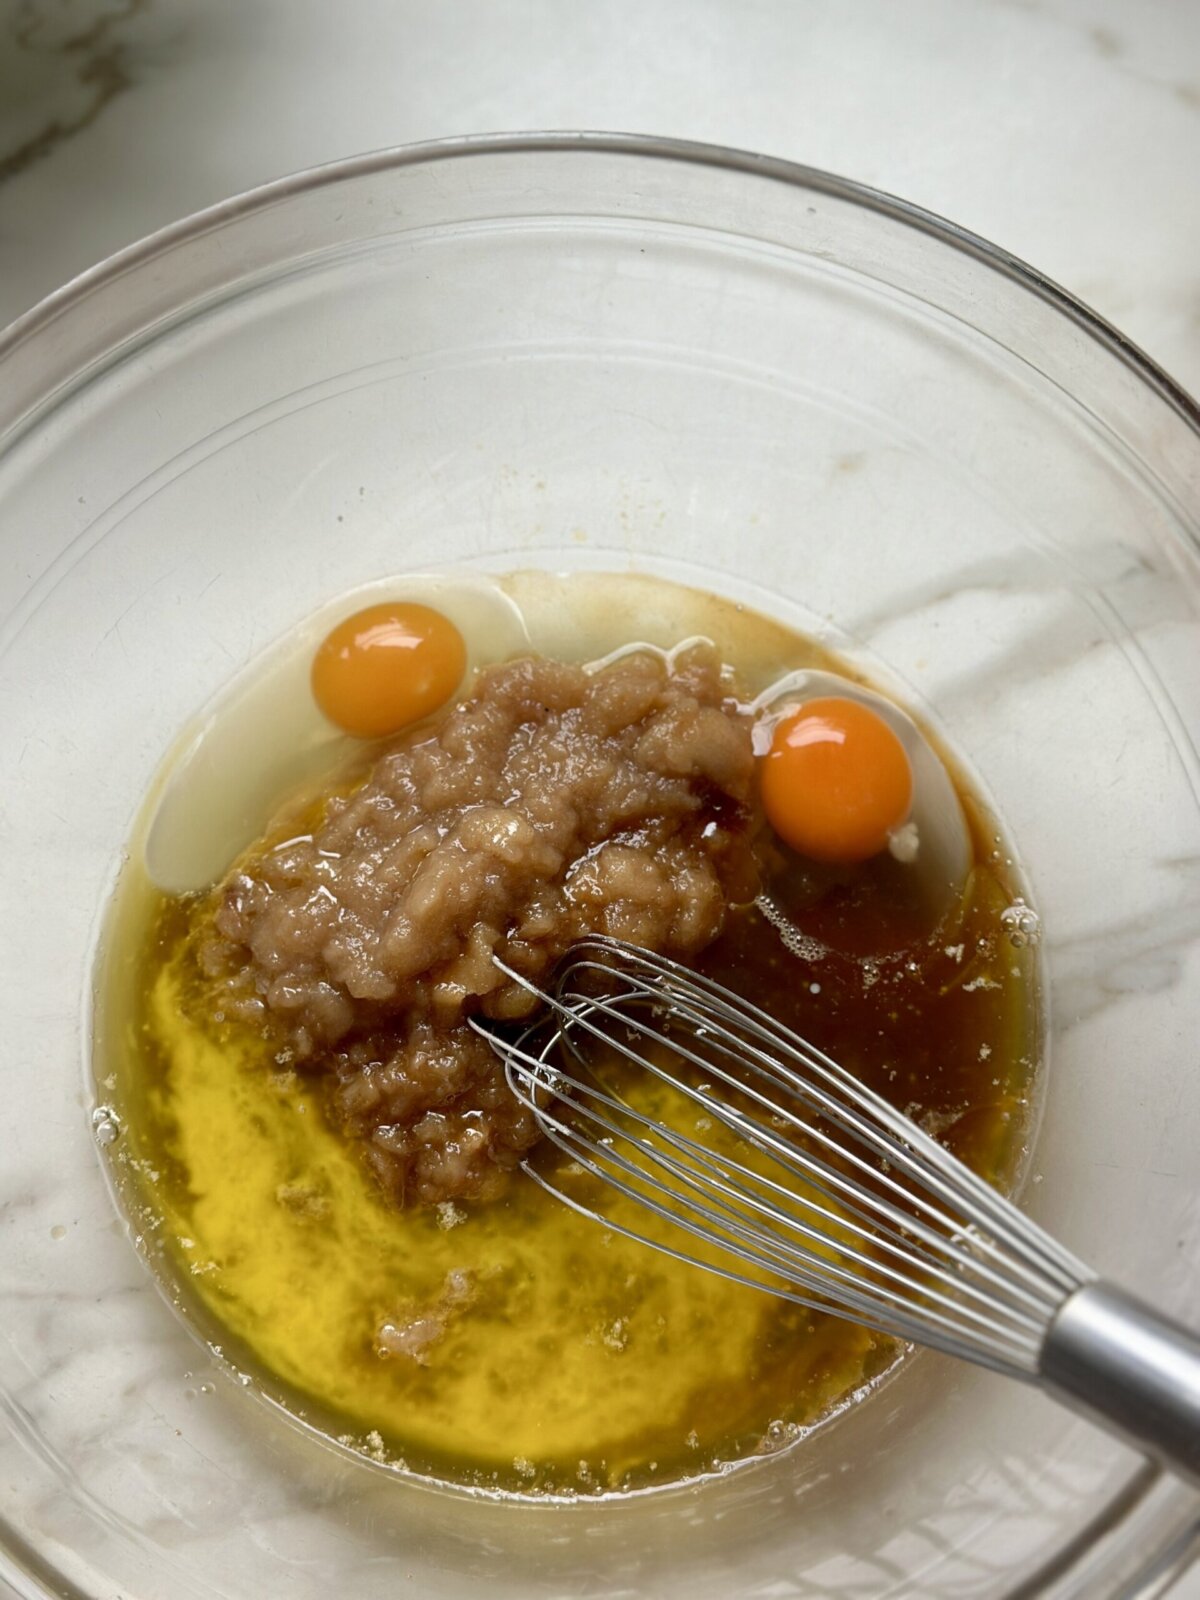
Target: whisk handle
{"points": [[1129, 1369]]}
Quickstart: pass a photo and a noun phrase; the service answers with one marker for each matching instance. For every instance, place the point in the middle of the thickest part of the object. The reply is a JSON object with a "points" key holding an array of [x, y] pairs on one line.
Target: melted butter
{"points": [[575, 1358], [544, 1353]]}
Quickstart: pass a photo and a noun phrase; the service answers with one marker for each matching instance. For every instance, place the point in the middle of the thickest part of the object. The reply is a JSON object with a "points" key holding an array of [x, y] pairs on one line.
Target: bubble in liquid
{"points": [[106, 1125], [1021, 924], [801, 945]]}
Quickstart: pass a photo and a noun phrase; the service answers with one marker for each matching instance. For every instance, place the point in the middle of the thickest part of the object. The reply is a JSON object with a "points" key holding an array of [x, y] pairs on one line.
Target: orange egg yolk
{"points": [[836, 782], [386, 667]]}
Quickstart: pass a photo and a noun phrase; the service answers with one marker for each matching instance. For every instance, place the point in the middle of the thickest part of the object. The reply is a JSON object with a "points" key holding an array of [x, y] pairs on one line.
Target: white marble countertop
{"points": [[1067, 131]]}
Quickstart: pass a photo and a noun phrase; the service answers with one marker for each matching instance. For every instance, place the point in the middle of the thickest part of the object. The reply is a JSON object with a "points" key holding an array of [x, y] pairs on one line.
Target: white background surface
{"points": [[1067, 131]]}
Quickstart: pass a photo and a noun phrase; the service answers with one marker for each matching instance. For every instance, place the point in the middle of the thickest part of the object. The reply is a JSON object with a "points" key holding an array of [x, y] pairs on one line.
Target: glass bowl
{"points": [[605, 352]]}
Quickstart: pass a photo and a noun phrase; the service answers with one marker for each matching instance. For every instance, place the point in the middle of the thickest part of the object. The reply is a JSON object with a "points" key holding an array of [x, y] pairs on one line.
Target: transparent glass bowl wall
{"points": [[607, 353]]}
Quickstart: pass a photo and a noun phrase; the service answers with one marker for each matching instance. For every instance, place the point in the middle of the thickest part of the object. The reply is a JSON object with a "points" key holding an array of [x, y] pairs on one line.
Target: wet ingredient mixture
{"points": [[323, 1151]]}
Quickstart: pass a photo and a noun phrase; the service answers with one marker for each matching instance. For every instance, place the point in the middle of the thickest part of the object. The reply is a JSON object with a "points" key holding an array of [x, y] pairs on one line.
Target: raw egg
{"points": [[263, 738], [847, 775], [386, 667], [836, 782]]}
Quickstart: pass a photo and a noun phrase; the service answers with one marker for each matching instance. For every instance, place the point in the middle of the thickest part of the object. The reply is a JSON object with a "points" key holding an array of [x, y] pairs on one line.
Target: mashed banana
{"points": [[553, 802]]}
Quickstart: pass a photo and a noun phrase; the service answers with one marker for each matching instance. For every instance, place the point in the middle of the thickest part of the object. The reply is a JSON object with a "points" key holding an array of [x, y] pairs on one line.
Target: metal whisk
{"points": [[812, 1187]]}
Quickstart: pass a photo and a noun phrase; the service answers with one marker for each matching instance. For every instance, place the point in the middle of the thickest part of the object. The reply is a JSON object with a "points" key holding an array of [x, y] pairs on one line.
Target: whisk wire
{"points": [[718, 1177], [896, 1139], [882, 1220], [853, 1274], [858, 1211], [845, 1192], [897, 1236], [719, 1222]]}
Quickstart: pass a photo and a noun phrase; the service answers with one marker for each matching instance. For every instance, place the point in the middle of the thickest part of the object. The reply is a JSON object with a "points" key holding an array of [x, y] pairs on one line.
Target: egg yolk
{"points": [[836, 781], [386, 667]]}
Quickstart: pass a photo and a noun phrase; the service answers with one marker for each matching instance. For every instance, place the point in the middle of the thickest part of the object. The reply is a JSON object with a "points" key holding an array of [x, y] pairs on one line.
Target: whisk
{"points": [[816, 1189]]}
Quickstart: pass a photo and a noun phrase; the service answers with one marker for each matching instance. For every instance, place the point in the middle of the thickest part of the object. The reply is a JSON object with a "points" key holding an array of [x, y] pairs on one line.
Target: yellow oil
{"points": [[570, 1359]]}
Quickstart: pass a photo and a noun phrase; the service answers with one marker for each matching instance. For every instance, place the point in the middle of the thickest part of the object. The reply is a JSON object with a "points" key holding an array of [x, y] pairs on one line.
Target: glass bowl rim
{"points": [[686, 151]]}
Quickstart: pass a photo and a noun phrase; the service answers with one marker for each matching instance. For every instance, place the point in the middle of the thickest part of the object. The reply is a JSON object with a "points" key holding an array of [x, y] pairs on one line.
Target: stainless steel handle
{"points": [[1129, 1369]]}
